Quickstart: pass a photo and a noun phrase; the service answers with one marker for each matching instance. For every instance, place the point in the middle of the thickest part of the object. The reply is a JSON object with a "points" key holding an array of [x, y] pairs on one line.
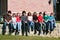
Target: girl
{"points": [[51, 22], [35, 19], [46, 18], [14, 22], [30, 21], [18, 20], [40, 22]]}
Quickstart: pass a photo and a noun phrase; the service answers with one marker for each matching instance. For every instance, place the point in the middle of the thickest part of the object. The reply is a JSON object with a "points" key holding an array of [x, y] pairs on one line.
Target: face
{"points": [[51, 14], [41, 14], [18, 14], [29, 13], [9, 13], [35, 13], [13, 15], [24, 14]]}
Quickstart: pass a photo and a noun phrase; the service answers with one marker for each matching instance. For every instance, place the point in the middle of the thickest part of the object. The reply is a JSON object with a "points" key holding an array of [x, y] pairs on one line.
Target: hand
{"points": [[25, 21], [7, 22], [36, 21]]}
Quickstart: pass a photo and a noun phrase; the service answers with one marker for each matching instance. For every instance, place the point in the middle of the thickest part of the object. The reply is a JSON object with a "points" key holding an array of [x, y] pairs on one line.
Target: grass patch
{"points": [[1, 22], [57, 21], [10, 37]]}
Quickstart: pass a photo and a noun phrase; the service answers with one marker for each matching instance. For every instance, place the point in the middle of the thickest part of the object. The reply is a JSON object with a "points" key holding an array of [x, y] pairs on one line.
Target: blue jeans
{"points": [[4, 28], [31, 25], [40, 25], [14, 25], [47, 27], [19, 26], [51, 26], [54, 24]]}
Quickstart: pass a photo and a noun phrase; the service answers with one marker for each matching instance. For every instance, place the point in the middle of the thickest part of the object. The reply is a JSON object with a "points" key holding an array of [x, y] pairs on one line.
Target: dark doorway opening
{"points": [[3, 7], [58, 10]]}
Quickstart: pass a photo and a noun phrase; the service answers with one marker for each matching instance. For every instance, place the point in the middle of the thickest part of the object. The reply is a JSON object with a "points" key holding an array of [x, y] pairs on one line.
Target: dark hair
{"points": [[23, 12], [9, 11], [34, 13], [40, 12], [29, 13], [17, 13], [44, 14], [51, 13], [13, 13]]}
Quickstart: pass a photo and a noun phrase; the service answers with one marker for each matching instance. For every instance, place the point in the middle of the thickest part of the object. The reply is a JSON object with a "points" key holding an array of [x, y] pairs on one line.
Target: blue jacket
{"points": [[51, 18]]}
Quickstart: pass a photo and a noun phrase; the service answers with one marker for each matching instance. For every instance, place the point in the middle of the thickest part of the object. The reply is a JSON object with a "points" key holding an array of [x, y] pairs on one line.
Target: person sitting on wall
{"points": [[7, 21], [24, 23]]}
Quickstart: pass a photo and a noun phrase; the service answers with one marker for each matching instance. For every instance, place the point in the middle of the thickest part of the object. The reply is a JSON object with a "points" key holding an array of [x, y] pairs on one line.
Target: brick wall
{"points": [[29, 5]]}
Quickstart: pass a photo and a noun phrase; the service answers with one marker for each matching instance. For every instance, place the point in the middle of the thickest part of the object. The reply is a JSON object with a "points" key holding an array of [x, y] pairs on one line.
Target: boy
{"points": [[24, 23], [7, 21]]}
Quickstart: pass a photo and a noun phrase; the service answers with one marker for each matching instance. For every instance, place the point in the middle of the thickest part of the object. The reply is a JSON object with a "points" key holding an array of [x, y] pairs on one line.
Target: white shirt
{"points": [[30, 18], [14, 20]]}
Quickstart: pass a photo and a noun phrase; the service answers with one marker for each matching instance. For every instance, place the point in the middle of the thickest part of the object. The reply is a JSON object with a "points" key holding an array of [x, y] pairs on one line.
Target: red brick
{"points": [[29, 5]]}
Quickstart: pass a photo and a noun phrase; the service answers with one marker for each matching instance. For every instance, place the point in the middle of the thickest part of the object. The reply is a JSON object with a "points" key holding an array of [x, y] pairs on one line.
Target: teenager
{"points": [[18, 20], [46, 19], [30, 21], [52, 22], [14, 22], [7, 21], [40, 22], [35, 19], [24, 23]]}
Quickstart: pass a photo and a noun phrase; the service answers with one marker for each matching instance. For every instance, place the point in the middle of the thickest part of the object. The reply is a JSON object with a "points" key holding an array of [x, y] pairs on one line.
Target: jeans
{"points": [[54, 24], [24, 28], [50, 25], [44, 27], [19, 26], [14, 25], [39, 27], [31, 25], [35, 27], [4, 28], [47, 27]]}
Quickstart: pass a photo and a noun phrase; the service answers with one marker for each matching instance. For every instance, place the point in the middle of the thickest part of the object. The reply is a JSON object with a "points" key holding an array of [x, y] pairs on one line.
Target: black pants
{"points": [[47, 27], [35, 27], [24, 28]]}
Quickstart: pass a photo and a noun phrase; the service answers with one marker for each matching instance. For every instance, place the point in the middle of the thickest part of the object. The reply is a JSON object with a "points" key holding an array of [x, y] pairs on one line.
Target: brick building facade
{"points": [[30, 5]]}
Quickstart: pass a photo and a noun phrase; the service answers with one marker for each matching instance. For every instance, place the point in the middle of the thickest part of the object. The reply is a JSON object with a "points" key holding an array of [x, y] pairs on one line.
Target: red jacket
{"points": [[40, 18]]}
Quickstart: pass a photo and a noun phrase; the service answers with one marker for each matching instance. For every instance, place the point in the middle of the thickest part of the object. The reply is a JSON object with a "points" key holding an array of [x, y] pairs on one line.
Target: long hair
{"points": [[34, 14], [44, 14], [29, 13]]}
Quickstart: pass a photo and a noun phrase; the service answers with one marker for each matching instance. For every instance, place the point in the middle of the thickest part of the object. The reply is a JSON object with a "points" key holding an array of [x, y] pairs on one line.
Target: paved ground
{"points": [[55, 33]]}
